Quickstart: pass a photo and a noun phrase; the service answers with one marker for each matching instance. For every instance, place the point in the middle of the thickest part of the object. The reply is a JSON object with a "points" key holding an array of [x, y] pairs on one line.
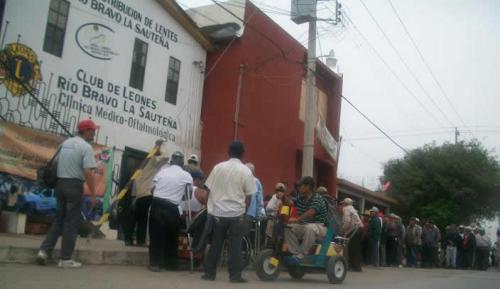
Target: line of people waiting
{"points": [[387, 242]]}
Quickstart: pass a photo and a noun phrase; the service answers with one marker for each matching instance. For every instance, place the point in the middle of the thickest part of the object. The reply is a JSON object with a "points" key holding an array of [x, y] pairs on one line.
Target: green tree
{"points": [[452, 183]]}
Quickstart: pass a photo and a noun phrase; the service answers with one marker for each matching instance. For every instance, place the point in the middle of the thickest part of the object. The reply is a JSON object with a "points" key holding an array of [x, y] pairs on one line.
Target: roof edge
{"points": [[378, 195], [185, 21]]}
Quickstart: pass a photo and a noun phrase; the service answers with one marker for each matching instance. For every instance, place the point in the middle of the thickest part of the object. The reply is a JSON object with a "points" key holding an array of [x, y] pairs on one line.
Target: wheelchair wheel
{"points": [[296, 272], [336, 269], [246, 253], [264, 268]]}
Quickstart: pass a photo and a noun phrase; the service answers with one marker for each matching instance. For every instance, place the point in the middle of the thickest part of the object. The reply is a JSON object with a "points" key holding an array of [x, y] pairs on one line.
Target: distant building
{"points": [[254, 92], [364, 199]]}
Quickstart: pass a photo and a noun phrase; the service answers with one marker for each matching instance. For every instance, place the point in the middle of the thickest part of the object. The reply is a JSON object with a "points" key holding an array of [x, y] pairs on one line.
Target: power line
{"points": [[390, 69], [404, 62], [375, 125], [400, 110], [450, 132], [425, 62]]}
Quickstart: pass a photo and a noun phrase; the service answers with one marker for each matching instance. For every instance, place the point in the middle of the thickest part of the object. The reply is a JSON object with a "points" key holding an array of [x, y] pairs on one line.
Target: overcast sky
{"points": [[458, 39]]}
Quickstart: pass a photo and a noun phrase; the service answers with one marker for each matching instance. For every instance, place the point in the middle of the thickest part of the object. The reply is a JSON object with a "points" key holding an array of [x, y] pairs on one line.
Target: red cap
{"points": [[87, 124]]}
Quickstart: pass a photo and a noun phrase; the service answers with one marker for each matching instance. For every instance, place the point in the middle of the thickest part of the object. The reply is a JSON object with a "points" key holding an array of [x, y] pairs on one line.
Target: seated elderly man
{"points": [[311, 223]]}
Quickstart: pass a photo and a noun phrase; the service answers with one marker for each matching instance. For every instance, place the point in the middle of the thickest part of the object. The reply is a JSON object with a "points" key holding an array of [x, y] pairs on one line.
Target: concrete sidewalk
{"points": [[20, 248]]}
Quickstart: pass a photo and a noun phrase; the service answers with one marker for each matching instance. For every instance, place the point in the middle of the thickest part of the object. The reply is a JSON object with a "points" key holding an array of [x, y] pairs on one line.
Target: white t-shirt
{"points": [[193, 203], [229, 183], [273, 206], [170, 183]]}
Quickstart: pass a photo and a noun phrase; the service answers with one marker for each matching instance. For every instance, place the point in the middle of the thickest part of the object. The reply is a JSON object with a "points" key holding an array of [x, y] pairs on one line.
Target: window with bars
{"points": [[174, 69], [56, 27], [138, 70]]}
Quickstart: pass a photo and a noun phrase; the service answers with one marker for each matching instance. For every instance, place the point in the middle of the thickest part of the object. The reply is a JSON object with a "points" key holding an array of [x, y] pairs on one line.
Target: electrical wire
{"points": [[375, 125], [431, 72], [377, 53], [401, 58]]}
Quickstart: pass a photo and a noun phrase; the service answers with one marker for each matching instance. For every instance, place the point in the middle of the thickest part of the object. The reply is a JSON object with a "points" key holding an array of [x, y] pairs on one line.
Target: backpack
{"points": [[46, 175]]}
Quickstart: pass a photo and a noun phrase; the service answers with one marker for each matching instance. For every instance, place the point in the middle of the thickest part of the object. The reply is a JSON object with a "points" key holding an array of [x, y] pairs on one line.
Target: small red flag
{"points": [[386, 186]]}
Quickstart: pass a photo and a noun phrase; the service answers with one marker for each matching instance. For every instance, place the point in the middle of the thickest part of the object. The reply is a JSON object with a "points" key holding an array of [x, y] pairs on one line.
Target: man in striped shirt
{"points": [[311, 223]]}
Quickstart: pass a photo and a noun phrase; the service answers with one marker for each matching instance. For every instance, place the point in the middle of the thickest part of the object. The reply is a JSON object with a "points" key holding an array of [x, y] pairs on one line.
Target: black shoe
{"points": [[238, 280], [154, 268], [208, 277]]}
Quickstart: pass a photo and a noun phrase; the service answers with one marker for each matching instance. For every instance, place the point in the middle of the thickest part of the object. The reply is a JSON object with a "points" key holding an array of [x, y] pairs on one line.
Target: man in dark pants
{"points": [[394, 235], [413, 241], [141, 211], [141, 202], [170, 186], [231, 183], [468, 247], [75, 164], [134, 219], [431, 238], [351, 228], [374, 233]]}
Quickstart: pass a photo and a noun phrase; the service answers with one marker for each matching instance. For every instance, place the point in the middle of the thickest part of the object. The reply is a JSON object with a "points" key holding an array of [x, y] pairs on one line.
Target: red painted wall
{"points": [[269, 123]]}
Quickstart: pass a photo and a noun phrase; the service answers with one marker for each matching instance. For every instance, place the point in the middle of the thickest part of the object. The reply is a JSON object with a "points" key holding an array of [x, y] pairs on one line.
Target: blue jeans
{"points": [[412, 256]]}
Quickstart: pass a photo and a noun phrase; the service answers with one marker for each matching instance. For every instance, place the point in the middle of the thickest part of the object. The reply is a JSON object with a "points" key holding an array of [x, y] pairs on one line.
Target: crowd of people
{"points": [[387, 242], [233, 198]]}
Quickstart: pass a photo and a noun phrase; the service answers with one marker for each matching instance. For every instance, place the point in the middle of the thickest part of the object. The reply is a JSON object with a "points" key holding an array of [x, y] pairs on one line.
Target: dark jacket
{"points": [[452, 239], [374, 229], [469, 242], [431, 236]]}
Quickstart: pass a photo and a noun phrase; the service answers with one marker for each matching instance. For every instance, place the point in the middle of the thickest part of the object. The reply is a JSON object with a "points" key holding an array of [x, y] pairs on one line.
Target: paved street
{"points": [[15, 276]]}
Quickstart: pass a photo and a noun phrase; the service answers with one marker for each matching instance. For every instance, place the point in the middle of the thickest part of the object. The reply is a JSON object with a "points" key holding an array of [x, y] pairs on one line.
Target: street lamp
{"points": [[331, 60]]}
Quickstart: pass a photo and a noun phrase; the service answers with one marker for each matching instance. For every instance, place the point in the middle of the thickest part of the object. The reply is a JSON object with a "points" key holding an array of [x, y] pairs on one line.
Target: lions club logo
{"points": [[19, 68]]}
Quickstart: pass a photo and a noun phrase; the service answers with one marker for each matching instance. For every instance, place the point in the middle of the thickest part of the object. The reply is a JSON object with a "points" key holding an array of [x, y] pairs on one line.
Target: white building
{"points": [[134, 67]]}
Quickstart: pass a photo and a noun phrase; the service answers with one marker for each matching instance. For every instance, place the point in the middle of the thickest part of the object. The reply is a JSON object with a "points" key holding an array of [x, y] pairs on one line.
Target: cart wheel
{"points": [[336, 269], [264, 268], [296, 272]]}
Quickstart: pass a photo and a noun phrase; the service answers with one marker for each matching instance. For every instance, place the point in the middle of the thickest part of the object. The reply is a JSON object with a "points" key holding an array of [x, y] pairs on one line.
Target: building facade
{"points": [[134, 67], [254, 92]]}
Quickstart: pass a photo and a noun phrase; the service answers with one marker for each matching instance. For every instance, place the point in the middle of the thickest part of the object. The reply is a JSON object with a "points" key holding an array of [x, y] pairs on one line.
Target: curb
{"points": [[20, 255]]}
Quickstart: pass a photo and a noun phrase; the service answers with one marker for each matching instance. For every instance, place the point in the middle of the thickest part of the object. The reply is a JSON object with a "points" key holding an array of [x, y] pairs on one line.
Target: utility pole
{"points": [[310, 101], [457, 133], [305, 11]]}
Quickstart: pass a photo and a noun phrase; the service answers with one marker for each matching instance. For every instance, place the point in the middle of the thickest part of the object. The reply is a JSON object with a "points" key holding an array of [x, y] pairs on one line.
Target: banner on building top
{"points": [[23, 150], [325, 137]]}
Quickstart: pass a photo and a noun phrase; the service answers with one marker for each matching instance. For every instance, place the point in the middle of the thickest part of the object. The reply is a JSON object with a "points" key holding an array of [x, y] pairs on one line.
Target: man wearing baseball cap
{"points": [[171, 184], [75, 165]]}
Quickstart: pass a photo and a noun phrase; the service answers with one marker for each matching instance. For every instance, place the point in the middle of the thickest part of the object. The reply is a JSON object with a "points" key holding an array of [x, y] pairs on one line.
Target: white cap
{"points": [[193, 158]]}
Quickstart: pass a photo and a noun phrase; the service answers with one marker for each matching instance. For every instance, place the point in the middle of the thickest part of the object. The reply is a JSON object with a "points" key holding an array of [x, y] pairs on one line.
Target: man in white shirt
{"points": [[170, 186], [230, 183]]}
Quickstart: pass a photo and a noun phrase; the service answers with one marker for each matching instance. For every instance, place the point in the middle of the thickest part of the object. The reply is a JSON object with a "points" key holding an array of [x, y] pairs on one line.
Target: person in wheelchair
{"points": [[197, 201], [273, 207], [312, 220]]}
